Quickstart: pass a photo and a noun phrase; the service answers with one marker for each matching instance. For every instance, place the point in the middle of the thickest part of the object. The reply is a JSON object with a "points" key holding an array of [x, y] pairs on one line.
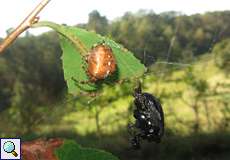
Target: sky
{"points": [[71, 12]]}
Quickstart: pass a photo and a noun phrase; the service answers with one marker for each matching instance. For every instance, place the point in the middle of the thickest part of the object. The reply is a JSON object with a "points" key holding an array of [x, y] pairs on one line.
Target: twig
{"points": [[26, 23]]}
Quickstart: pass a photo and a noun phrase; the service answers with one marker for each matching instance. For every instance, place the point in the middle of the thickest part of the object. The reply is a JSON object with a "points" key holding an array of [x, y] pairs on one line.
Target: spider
{"points": [[149, 119], [101, 63]]}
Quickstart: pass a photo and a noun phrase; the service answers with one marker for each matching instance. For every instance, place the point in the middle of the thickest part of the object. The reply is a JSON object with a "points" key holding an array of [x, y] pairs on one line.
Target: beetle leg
{"points": [[135, 141], [131, 129]]}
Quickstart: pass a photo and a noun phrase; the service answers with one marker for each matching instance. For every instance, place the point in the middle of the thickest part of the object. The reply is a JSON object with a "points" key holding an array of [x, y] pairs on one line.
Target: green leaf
{"points": [[71, 151], [76, 43]]}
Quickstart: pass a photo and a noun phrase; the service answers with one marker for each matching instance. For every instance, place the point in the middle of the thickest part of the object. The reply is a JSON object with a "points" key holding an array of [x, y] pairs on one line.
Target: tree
{"points": [[97, 23], [222, 55]]}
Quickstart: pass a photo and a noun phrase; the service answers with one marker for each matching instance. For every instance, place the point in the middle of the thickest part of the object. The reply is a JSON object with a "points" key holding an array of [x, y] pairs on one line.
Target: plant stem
{"points": [[26, 23], [61, 30]]}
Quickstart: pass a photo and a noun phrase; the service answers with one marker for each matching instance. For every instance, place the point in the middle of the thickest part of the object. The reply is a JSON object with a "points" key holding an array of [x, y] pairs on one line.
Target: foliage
{"points": [[192, 107], [182, 36], [32, 83], [222, 55], [71, 150], [76, 43], [97, 23], [5, 85], [30, 75]]}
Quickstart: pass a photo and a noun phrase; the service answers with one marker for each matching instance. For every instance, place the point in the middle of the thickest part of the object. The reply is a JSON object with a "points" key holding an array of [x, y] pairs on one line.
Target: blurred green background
{"points": [[188, 60]]}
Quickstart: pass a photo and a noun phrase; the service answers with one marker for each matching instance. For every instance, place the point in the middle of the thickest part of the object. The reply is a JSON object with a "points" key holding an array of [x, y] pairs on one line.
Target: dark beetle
{"points": [[149, 124]]}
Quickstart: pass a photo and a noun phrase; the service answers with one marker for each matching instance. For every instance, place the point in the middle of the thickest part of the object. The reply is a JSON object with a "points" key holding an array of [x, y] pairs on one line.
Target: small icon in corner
{"points": [[10, 149]]}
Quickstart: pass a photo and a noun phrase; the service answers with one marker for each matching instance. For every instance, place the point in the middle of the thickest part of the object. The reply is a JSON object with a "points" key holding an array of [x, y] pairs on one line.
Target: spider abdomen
{"points": [[101, 62]]}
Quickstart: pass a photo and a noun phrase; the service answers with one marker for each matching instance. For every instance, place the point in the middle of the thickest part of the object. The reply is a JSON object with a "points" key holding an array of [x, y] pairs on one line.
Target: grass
{"points": [[180, 141], [179, 115]]}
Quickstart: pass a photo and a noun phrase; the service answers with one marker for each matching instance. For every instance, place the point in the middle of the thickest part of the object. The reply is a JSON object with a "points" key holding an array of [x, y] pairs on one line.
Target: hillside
{"points": [[185, 113], [193, 87]]}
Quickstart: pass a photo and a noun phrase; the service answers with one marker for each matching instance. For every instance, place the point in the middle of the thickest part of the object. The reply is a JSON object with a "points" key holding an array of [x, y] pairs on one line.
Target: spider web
{"points": [[165, 63], [178, 65]]}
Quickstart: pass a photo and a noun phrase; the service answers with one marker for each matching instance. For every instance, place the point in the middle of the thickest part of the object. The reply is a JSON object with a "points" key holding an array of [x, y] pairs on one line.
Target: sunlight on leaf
{"points": [[70, 150], [76, 43]]}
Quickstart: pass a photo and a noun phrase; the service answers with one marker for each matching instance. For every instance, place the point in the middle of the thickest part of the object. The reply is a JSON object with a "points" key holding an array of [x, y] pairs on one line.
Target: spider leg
{"points": [[81, 87], [85, 57], [85, 62], [103, 42], [83, 66], [77, 82]]}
